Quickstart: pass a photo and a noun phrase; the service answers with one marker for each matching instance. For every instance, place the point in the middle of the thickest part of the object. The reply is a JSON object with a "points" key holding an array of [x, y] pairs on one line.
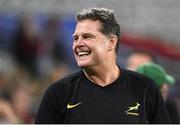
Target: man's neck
{"points": [[103, 76]]}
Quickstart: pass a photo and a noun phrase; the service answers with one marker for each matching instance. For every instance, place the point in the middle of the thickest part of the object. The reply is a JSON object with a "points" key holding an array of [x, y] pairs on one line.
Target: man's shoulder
{"points": [[64, 85], [135, 75], [137, 78], [69, 79], [72, 77]]}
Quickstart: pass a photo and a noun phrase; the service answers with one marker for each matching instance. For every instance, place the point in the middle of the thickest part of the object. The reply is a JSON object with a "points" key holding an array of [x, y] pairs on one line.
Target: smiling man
{"points": [[102, 92]]}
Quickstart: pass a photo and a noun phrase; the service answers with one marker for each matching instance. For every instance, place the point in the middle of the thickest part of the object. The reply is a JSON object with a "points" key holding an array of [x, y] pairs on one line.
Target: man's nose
{"points": [[80, 42]]}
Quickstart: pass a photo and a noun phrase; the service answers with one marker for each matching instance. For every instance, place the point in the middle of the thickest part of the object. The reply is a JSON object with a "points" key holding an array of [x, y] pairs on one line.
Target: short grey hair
{"points": [[106, 17]]}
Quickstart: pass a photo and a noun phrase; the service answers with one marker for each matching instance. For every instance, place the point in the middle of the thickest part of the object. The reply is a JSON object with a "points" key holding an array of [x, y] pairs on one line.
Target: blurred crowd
{"points": [[34, 59], [37, 54]]}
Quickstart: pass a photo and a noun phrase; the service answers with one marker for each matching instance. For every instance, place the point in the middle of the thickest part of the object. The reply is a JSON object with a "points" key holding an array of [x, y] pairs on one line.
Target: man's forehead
{"points": [[90, 24], [86, 28]]}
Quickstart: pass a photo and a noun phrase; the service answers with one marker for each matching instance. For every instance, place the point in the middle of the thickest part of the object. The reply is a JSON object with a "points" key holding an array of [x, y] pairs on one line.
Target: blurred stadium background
{"points": [[36, 39]]}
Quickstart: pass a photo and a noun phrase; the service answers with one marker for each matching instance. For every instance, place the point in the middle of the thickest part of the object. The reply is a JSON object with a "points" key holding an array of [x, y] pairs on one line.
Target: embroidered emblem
{"points": [[132, 110], [69, 106]]}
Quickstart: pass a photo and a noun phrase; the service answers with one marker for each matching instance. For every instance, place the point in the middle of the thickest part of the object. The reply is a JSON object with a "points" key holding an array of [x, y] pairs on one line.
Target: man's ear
{"points": [[112, 42]]}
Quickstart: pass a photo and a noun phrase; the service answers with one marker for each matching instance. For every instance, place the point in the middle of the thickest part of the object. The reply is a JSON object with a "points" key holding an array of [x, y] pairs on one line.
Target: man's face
{"points": [[90, 46]]}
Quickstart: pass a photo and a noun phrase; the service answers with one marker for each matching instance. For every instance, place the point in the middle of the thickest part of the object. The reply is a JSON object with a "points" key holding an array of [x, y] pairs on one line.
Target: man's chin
{"points": [[83, 65]]}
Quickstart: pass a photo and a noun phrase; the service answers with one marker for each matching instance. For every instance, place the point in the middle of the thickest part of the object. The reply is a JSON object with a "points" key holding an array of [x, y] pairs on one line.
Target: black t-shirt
{"points": [[172, 110], [132, 98]]}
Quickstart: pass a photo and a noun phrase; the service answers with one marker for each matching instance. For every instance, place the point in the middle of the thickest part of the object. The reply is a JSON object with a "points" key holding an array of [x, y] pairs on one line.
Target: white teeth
{"points": [[83, 53]]}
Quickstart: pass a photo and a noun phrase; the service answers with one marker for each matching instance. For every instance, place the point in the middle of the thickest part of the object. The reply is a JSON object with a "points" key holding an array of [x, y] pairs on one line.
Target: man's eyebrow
{"points": [[88, 34], [85, 34], [74, 35]]}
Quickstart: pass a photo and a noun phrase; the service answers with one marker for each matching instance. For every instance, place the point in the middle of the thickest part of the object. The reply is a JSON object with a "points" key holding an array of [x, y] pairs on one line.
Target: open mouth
{"points": [[83, 53]]}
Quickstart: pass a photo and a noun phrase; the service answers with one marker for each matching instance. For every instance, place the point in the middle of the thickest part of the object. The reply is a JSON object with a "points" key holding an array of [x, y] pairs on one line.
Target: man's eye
{"points": [[75, 38], [87, 37]]}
